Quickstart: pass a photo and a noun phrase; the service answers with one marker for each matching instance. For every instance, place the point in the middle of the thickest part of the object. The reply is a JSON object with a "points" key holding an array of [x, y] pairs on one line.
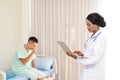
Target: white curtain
{"points": [[61, 20]]}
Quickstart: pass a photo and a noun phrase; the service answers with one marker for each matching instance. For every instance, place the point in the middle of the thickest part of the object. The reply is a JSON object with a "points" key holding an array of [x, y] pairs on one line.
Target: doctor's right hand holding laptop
{"points": [[75, 54], [93, 53]]}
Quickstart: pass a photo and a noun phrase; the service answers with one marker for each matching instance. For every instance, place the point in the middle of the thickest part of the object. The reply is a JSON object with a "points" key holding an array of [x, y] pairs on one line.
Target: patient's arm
{"points": [[25, 60], [33, 64]]}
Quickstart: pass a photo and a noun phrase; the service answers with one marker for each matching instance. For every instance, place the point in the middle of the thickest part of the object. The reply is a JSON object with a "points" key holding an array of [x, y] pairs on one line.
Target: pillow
{"points": [[44, 63]]}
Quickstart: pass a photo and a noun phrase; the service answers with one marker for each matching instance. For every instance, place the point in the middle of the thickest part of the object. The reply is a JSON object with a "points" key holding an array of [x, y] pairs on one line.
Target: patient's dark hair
{"points": [[34, 39], [97, 19]]}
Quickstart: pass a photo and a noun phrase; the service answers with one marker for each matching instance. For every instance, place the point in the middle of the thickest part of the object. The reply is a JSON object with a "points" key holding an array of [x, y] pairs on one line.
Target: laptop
{"points": [[64, 47], [67, 50]]}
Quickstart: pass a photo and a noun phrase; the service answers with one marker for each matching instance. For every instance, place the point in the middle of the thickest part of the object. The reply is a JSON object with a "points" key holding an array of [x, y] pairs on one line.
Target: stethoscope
{"points": [[91, 40]]}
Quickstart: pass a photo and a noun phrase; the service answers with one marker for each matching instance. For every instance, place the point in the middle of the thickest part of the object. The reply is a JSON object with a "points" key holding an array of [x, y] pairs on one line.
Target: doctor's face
{"points": [[90, 26]]}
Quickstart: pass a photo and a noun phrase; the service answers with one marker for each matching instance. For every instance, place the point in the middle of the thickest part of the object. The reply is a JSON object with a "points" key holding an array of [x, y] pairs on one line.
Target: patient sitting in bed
{"points": [[24, 64]]}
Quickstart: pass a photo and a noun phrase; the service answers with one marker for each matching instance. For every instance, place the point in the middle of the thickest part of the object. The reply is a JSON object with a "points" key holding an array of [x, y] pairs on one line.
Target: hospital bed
{"points": [[2, 75], [46, 64]]}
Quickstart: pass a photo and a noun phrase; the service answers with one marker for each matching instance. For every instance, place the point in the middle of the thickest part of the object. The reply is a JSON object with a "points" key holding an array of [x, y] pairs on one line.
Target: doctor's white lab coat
{"points": [[93, 60]]}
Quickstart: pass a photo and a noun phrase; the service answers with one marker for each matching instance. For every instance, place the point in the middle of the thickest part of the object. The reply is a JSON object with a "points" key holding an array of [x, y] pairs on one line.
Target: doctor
{"points": [[92, 56]]}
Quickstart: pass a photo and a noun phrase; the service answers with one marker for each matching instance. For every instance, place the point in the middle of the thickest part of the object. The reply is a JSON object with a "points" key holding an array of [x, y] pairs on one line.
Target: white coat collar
{"points": [[96, 34]]}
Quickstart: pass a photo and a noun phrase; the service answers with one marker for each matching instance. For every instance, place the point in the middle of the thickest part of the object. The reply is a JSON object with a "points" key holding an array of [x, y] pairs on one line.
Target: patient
{"points": [[24, 63]]}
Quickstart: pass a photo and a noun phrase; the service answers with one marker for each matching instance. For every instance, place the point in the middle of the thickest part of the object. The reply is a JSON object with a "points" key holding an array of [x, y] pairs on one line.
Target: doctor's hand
{"points": [[78, 52], [68, 54], [71, 55]]}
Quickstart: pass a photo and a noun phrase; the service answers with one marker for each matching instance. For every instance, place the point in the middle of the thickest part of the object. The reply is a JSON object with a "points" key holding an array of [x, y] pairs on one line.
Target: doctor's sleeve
{"points": [[96, 53]]}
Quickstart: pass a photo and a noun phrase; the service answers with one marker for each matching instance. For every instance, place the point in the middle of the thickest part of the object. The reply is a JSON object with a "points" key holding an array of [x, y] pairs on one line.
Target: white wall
{"points": [[10, 30], [110, 8], [25, 21]]}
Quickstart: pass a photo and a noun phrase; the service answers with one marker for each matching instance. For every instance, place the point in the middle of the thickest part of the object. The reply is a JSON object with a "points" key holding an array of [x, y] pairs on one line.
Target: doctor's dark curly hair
{"points": [[97, 19]]}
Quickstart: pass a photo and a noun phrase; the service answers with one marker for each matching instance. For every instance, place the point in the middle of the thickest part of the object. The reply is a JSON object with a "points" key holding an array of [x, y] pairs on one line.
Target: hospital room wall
{"points": [[110, 9], [10, 30]]}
